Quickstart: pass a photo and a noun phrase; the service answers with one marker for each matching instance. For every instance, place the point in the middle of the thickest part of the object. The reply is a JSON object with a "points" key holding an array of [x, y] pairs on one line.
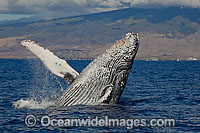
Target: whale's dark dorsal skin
{"points": [[104, 79]]}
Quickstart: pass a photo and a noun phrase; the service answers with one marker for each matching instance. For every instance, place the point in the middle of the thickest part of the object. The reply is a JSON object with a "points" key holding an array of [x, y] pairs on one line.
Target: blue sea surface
{"points": [[154, 90]]}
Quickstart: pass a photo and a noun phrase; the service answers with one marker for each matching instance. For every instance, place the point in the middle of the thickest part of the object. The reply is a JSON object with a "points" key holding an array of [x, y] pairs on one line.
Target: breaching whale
{"points": [[102, 81]]}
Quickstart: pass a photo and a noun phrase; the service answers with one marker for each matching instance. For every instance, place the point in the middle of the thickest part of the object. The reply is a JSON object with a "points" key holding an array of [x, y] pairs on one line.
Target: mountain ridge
{"points": [[86, 36]]}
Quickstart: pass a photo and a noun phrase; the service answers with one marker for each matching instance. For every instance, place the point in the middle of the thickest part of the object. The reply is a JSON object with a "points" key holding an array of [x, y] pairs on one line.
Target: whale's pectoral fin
{"points": [[106, 93], [56, 65]]}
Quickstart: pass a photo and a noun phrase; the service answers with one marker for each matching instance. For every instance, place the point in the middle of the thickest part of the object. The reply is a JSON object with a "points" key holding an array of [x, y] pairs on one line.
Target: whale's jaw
{"points": [[104, 79]]}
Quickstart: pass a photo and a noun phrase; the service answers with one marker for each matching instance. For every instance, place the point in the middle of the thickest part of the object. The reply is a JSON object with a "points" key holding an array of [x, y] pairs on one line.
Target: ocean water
{"points": [[154, 90]]}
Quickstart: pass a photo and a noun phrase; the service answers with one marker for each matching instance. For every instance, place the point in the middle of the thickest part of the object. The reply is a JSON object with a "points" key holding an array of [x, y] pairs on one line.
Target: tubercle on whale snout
{"points": [[123, 42]]}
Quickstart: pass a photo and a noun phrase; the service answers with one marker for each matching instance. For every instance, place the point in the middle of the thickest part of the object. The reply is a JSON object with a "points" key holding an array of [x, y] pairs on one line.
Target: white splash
{"points": [[32, 104]]}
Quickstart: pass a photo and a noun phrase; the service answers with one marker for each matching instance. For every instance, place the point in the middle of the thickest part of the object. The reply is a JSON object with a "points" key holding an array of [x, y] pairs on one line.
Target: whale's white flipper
{"points": [[56, 65]]}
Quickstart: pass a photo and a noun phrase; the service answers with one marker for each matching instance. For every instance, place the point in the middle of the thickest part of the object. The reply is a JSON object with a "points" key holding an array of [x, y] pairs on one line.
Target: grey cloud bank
{"points": [[48, 9]]}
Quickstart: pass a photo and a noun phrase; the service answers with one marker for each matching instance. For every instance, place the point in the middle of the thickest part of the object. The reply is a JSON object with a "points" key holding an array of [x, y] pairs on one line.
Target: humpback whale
{"points": [[102, 81]]}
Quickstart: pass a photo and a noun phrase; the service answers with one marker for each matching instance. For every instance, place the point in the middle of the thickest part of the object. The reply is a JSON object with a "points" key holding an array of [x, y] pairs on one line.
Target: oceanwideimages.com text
{"points": [[47, 121]]}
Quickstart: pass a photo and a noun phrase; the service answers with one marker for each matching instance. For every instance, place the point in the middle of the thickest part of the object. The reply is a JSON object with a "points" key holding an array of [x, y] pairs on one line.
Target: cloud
{"points": [[188, 3], [63, 8]]}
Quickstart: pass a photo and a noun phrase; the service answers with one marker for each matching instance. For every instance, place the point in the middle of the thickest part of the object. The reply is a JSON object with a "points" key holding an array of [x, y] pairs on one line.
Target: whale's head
{"points": [[126, 48], [119, 59], [121, 55]]}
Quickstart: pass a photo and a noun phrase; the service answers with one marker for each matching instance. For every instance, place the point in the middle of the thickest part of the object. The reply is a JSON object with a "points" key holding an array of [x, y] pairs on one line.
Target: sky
{"points": [[49, 9]]}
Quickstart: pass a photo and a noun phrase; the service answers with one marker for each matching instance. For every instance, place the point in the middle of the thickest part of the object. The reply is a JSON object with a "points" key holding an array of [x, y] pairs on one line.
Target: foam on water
{"points": [[32, 104], [45, 88]]}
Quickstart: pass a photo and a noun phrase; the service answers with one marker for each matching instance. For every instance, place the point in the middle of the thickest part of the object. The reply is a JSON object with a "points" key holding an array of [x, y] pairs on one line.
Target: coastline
{"points": [[32, 58]]}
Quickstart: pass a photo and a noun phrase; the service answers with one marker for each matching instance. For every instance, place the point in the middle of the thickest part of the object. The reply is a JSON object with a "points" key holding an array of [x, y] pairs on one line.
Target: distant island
{"points": [[166, 34]]}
